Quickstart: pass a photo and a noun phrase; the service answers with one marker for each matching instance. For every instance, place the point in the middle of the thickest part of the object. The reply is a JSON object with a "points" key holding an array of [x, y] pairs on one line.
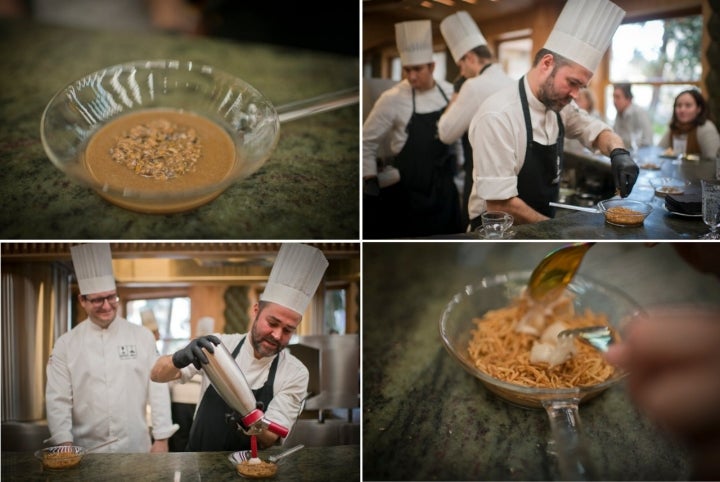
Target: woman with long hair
{"points": [[690, 121]]}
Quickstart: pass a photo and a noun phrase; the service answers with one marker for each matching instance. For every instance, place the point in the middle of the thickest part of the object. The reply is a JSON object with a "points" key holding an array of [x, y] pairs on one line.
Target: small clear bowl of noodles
{"points": [[60, 457], [488, 301]]}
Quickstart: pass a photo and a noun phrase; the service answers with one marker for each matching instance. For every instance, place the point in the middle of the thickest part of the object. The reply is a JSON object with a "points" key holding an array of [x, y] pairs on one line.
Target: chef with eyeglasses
{"points": [[98, 374]]}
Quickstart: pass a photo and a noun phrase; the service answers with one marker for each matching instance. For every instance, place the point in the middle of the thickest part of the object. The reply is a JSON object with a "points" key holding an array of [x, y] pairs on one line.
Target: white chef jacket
{"points": [[289, 389], [386, 122], [499, 140], [98, 387], [456, 119]]}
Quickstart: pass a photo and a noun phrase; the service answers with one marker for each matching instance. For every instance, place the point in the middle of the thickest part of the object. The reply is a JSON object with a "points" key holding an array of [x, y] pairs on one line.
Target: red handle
{"points": [[278, 429]]}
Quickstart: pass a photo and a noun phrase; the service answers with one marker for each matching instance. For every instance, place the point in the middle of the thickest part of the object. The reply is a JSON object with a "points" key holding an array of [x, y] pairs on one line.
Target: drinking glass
{"points": [[679, 147], [711, 207]]}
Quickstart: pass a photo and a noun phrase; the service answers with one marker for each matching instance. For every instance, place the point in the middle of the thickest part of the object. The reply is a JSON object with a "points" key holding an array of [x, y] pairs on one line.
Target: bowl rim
{"points": [[540, 393], [152, 196], [647, 208]]}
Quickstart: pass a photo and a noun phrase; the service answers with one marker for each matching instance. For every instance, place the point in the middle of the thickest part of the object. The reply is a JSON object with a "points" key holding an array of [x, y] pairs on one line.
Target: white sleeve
{"points": [[709, 139], [160, 411], [455, 121], [581, 126], [58, 395], [376, 129], [285, 406]]}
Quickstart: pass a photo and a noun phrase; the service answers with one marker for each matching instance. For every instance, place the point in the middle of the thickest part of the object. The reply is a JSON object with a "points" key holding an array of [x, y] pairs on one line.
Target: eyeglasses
{"points": [[98, 302]]}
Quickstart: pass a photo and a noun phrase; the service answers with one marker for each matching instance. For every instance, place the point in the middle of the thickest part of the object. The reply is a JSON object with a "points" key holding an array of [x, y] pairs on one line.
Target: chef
{"points": [[479, 78], [278, 380], [422, 200], [517, 133], [98, 374]]}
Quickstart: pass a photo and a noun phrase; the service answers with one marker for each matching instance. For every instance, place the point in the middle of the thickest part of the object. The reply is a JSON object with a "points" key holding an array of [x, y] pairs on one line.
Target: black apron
{"points": [[210, 431], [539, 177], [427, 171]]}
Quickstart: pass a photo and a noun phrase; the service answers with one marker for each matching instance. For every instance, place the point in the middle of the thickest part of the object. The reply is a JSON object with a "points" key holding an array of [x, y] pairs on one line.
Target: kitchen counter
{"points": [[311, 463], [659, 225], [308, 189], [425, 418]]}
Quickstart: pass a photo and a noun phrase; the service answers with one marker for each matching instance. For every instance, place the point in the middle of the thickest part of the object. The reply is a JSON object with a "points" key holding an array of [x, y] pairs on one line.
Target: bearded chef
{"points": [[98, 374], [517, 133], [278, 379], [412, 194]]}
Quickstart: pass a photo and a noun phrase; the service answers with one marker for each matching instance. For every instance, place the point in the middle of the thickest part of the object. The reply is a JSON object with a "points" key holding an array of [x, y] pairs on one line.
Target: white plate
{"points": [[682, 214]]}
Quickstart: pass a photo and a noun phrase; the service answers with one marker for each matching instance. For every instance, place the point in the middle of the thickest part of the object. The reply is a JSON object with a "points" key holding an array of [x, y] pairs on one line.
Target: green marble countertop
{"points": [[309, 188], [425, 418], [332, 464]]}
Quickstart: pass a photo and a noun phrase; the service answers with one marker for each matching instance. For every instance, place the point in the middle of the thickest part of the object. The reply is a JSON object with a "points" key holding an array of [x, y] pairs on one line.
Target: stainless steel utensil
{"points": [[274, 458], [101, 445], [556, 270], [593, 210], [232, 386], [598, 337]]}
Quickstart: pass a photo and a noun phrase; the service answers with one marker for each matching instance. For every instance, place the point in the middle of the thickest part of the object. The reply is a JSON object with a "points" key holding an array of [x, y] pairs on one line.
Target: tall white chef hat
{"points": [[295, 276], [414, 41], [461, 34], [583, 31], [93, 267]]}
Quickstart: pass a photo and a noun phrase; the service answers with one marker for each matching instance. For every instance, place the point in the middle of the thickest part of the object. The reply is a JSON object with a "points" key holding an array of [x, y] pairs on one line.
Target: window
{"points": [[172, 316], [659, 58], [515, 56], [335, 311]]}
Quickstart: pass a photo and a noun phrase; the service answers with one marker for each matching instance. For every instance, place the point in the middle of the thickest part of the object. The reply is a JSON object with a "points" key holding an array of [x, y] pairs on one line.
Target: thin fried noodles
{"points": [[500, 350]]}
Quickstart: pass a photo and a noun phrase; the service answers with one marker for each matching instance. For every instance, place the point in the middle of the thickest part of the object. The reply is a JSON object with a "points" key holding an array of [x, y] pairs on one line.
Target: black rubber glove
{"points": [[624, 171], [192, 353], [371, 186]]}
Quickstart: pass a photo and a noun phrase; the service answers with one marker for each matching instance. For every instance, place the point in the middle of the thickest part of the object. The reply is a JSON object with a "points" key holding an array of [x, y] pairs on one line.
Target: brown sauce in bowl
{"points": [[206, 155]]}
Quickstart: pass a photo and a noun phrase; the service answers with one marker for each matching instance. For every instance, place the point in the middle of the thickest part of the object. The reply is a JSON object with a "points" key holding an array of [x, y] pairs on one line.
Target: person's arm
{"points": [[455, 121], [376, 128], [520, 211], [286, 404], [164, 371], [608, 140], [167, 368], [59, 396], [709, 140]]}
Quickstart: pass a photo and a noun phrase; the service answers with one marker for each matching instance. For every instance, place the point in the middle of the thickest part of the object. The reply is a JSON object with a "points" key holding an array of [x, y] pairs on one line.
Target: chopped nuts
{"points": [[158, 149]]}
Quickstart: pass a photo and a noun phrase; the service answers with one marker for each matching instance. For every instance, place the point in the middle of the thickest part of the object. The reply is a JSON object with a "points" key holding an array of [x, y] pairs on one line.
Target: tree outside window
{"points": [[660, 58]]}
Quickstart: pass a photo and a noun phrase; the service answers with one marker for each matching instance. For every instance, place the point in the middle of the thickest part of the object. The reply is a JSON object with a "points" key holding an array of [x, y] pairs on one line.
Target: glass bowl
{"points": [[79, 110], [561, 404], [667, 185], [60, 457], [624, 212], [496, 292]]}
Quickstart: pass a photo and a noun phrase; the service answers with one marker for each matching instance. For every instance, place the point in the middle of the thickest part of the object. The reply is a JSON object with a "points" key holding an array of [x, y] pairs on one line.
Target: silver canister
{"points": [[229, 381], [233, 387]]}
